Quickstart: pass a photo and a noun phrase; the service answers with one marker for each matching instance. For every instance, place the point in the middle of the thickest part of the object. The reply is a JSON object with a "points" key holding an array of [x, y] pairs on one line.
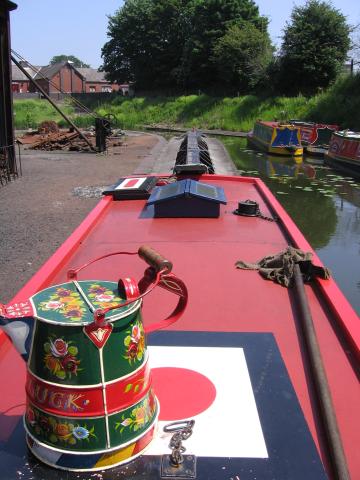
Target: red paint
{"points": [[221, 298], [143, 442], [86, 402], [130, 183], [182, 393], [98, 332], [308, 134], [17, 310]]}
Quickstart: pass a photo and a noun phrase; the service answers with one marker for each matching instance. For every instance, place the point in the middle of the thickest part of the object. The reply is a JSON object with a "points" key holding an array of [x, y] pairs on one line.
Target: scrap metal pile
{"points": [[49, 137]]}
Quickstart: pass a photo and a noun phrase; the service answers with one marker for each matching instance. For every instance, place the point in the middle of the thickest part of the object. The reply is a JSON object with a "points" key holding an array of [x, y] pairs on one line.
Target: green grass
{"points": [[30, 113], [339, 104], [202, 111]]}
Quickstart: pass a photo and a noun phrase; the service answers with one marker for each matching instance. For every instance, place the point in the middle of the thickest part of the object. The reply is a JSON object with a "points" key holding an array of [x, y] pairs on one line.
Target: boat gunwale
{"points": [[345, 315]]}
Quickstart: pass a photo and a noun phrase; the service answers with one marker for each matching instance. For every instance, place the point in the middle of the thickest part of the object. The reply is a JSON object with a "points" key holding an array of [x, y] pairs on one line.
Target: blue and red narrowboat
{"points": [[315, 137], [276, 138], [245, 379], [344, 152]]}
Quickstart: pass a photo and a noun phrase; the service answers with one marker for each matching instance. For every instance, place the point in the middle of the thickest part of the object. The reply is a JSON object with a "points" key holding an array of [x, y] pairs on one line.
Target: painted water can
{"points": [[90, 401]]}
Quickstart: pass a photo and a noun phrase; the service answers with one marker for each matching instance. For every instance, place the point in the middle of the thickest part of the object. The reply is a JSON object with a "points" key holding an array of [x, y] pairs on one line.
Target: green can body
{"points": [[82, 398]]}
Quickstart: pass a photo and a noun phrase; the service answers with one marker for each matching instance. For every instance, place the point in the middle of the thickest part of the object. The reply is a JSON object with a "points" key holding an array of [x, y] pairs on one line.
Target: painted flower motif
{"points": [[97, 289], [55, 431], [62, 429], [135, 343], [44, 424], [70, 364], [54, 305], [61, 358], [80, 433], [52, 363], [30, 415], [73, 311], [126, 422], [139, 417], [135, 333], [65, 302], [102, 297], [59, 348], [132, 351], [63, 292]]}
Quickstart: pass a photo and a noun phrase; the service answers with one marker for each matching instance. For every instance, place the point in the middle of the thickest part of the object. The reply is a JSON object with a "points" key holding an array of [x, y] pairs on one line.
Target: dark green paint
{"points": [[70, 300], [88, 371], [59, 432], [114, 352], [120, 434]]}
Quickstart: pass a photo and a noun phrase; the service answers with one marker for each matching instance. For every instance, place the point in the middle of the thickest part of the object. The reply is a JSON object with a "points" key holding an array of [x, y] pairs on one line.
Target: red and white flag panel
{"points": [[211, 385]]}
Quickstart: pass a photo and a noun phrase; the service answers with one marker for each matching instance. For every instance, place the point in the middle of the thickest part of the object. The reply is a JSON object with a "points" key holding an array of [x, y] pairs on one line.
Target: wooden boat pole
{"points": [[333, 440]]}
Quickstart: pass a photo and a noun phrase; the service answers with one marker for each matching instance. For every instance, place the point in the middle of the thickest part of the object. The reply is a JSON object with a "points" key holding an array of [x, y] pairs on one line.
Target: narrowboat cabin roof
{"points": [[348, 134], [302, 123], [275, 124]]}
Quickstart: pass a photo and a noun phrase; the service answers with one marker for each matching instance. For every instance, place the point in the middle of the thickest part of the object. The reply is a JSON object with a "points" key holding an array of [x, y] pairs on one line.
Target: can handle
{"points": [[155, 259], [159, 273]]}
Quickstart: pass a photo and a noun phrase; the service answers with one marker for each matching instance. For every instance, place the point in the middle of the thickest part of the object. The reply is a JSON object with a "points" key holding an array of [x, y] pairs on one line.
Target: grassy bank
{"points": [[339, 104], [29, 113]]}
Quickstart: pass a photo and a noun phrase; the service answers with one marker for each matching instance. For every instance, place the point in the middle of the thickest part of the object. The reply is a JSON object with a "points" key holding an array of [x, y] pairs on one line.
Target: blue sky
{"points": [[41, 29]]}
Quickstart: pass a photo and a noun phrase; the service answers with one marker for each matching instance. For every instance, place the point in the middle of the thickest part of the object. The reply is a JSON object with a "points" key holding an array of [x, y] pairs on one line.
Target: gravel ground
{"points": [[39, 210]]}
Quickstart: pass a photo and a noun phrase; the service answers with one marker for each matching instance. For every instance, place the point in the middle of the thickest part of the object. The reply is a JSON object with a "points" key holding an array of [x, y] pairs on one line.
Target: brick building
{"points": [[95, 81], [20, 82], [60, 76], [65, 77]]}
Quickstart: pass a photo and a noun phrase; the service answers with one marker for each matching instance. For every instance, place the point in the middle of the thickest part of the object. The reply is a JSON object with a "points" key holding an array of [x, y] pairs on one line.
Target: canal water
{"points": [[323, 203]]}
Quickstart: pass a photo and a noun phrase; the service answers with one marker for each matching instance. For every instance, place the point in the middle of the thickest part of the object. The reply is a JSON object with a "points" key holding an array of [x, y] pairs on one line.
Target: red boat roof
{"points": [[221, 298]]}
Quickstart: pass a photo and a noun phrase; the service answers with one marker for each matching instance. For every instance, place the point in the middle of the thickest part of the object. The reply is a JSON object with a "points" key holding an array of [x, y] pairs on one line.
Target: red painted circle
{"points": [[182, 393]]}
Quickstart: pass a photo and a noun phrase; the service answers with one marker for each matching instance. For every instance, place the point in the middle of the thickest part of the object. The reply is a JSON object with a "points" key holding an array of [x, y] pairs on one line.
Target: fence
{"points": [[10, 164]]}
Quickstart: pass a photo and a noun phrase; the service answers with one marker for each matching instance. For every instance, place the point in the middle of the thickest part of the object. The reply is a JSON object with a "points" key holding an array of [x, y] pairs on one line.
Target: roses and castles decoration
{"points": [[90, 401]]}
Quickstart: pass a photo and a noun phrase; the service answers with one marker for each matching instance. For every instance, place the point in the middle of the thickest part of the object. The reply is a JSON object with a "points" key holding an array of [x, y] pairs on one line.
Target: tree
{"points": [[354, 53], [69, 58], [146, 39], [210, 21], [314, 47], [162, 43], [242, 56]]}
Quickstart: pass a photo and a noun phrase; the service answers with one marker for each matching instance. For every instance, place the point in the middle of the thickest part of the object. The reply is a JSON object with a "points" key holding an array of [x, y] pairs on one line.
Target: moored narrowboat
{"points": [[344, 152], [276, 138], [233, 381], [315, 137]]}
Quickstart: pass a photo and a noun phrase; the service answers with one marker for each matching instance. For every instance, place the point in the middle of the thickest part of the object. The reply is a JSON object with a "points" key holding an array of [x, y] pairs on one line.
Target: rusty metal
{"points": [[7, 143], [54, 141], [178, 465], [42, 91]]}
